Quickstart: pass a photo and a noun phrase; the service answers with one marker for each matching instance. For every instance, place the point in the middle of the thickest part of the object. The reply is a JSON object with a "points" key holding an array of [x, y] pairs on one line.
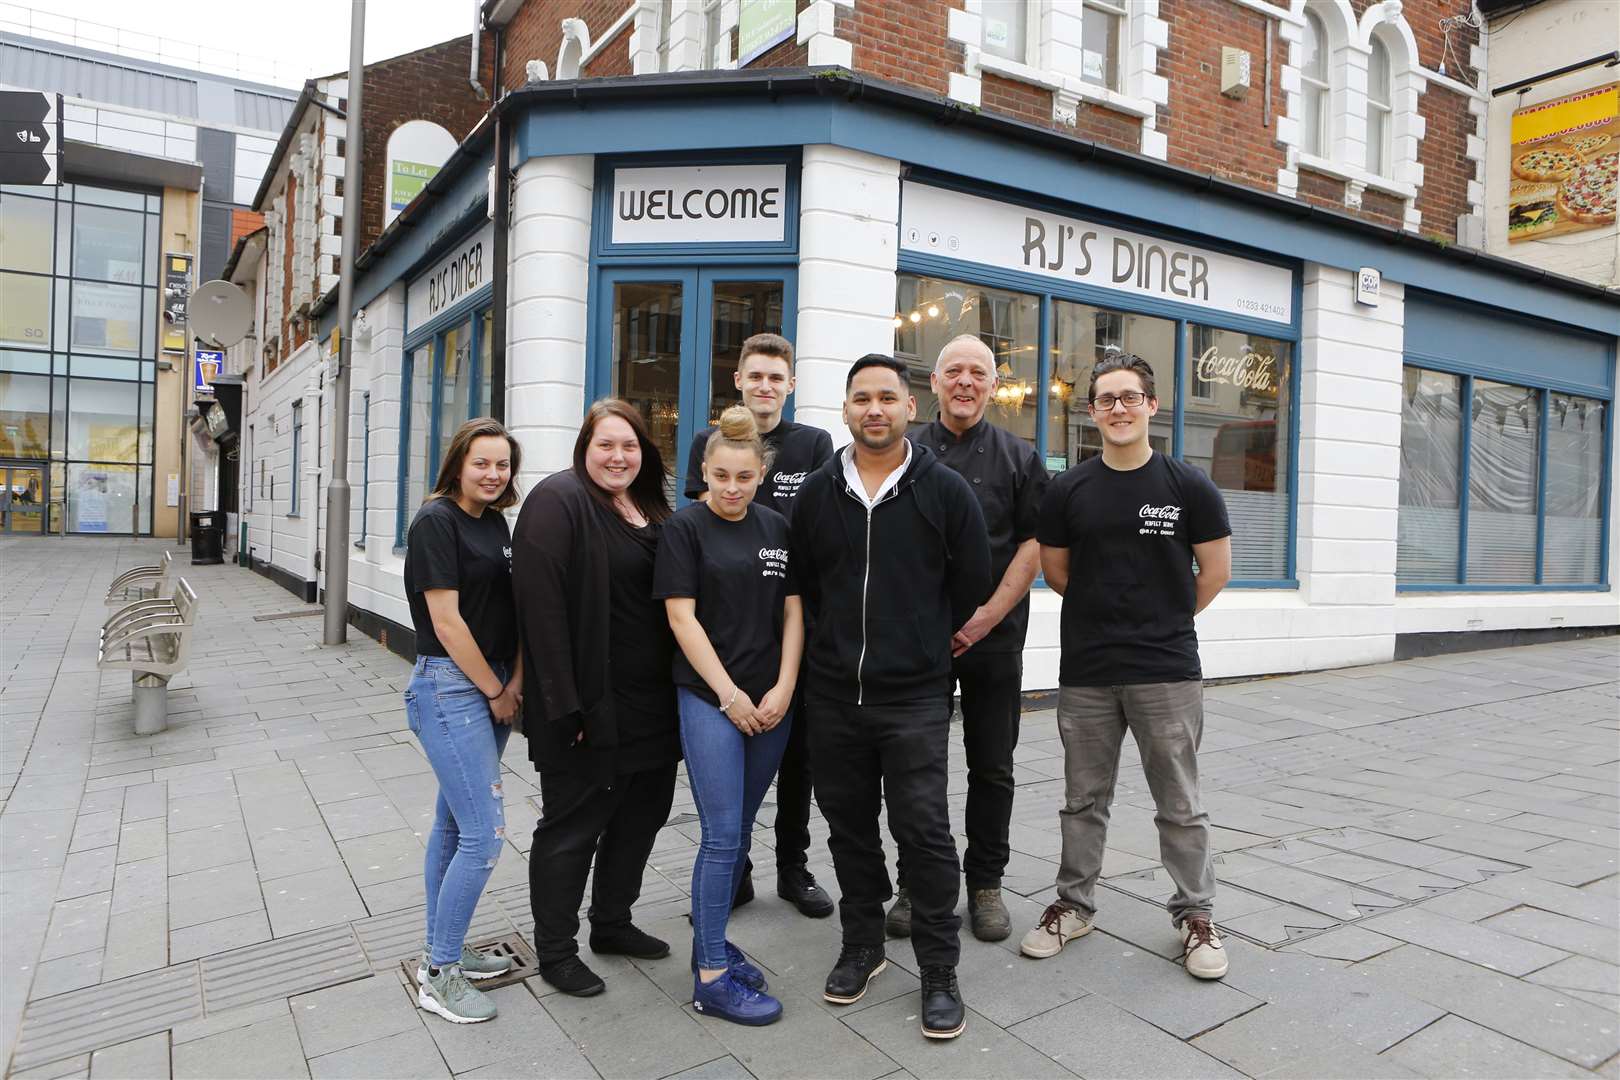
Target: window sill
{"points": [[1433, 587], [1064, 84], [1338, 171], [295, 517]]}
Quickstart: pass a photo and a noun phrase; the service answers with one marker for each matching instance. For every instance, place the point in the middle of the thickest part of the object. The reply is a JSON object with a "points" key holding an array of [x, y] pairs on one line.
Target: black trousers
{"points": [[860, 754], [578, 820], [991, 685], [793, 794]]}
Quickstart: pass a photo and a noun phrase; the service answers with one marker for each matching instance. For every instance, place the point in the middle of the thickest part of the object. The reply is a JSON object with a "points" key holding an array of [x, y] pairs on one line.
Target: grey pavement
{"points": [[1417, 865]]}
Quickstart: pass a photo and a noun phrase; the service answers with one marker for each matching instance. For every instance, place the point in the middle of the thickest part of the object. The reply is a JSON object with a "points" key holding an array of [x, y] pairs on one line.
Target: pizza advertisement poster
{"points": [[1564, 158]]}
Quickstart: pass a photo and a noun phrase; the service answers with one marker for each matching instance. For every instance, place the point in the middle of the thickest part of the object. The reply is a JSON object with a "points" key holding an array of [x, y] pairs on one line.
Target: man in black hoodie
{"points": [[890, 552]]}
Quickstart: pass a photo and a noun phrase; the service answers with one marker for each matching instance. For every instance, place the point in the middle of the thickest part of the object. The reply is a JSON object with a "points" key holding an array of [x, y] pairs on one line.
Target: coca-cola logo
{"points": [[1252, 371], [1161, 513]]}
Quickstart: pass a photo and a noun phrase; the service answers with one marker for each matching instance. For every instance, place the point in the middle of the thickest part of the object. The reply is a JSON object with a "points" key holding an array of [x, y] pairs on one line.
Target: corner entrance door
{"points": [[22, 500], [672, 340]]}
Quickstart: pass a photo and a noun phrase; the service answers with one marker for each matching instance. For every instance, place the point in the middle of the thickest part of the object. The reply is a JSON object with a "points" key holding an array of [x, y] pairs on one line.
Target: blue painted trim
{"points": [[1178, 407], [1018, 281], [1607, 489], [433, 412], [1043, 383], [365, 466], [1295, 381], [1541, 486], [548, 126], [407, 377], [1263, 583], [1498, 373], [602, 210], [469, 307], [1437, 588], [1463, 496]]}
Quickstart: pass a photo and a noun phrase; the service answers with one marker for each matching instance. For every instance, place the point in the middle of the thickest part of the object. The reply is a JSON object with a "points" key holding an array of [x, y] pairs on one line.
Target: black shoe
{"points": [[571, 976], [798, 887], [942, 1014], [857, 966], [745, 891], [627, 940], [897, 923]]}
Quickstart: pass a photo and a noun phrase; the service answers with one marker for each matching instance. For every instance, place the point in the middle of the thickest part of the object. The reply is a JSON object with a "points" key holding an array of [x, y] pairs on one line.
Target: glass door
{"points": [[23, 499], [672, 339]]}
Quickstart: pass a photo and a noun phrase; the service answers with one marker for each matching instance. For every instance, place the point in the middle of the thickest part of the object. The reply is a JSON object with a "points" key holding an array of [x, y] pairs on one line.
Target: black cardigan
{"points": [[560, 579]]}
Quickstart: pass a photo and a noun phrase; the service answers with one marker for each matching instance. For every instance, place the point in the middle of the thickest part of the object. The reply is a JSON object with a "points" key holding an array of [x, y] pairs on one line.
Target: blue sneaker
{"points": [[739, 965], [729, 998]]}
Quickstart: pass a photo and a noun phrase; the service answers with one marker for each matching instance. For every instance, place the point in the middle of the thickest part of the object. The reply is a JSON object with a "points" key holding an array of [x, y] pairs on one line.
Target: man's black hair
{"points": [[877, 359], [1115, 359]]}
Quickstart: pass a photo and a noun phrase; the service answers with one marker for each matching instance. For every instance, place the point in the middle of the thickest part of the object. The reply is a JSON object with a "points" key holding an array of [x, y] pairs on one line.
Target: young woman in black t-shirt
{"points": [[723, 576], [601, 721], [464, 692]]}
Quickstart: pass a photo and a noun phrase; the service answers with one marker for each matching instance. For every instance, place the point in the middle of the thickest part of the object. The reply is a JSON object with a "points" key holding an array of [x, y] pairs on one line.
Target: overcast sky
{"points": [[269, 31]]}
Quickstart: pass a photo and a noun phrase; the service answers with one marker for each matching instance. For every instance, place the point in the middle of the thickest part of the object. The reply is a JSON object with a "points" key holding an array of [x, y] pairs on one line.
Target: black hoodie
{"points": [[885, 589]]}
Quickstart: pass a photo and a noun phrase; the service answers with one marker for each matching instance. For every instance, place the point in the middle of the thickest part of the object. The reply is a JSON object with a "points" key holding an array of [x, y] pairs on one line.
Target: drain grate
{"points": [[511, 946]]}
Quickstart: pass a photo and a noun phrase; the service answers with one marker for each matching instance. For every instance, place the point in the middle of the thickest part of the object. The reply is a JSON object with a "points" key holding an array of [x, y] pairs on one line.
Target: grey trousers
{"points": [[1167, 720]]}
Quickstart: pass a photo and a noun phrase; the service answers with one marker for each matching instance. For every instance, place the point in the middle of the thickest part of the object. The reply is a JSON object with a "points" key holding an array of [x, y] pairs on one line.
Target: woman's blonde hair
{"points": [[448, 485], [738, 431]]}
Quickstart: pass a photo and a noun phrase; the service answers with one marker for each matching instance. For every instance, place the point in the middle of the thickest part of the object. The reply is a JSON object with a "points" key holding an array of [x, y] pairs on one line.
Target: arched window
{"points": [[1380, 109], [1315, 88]]}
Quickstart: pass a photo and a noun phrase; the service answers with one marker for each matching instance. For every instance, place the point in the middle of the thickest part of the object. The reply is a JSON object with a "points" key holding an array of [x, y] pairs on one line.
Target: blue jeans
{"points": [[729, 773], [450, 717]]}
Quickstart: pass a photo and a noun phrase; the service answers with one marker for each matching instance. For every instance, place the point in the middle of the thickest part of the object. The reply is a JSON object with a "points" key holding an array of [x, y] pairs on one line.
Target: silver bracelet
{"points": [[726, 708]]}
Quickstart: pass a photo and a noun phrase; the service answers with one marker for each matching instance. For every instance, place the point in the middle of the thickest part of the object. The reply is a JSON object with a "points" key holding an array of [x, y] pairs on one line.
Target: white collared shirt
{"points": [[852, 477]]}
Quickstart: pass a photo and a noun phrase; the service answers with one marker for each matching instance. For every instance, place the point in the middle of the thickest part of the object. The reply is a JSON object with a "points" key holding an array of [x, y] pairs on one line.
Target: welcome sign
{"points": [[935, 221], [700, 204]]}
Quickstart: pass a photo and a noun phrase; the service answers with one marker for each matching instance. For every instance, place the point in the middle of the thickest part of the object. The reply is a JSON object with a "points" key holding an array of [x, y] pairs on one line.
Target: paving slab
{"points": [[667, 1039], [138, 1059], [983, 1049], [409, 1055], [1455, 1047], [1091, 1037], [264, 1050], [1559, 932], [1275, 1041], [1476, 943]]}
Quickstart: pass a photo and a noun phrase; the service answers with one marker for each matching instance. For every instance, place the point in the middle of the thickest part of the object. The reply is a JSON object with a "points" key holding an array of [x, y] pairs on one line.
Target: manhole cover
{"points": [[512, 946]]}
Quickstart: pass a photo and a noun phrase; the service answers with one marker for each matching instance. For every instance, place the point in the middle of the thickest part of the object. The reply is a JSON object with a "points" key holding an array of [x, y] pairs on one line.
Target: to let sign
{"points": [[30, 137], [703, 204], [953, 225]]}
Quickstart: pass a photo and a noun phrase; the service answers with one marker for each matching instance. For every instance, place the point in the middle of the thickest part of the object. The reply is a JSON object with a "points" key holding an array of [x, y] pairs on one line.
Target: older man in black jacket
{"points": [[891, 555]]}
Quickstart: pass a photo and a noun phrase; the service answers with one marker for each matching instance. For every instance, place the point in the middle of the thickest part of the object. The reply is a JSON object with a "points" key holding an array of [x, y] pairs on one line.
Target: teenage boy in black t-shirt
{"points": [[1118, 536], [764, 377]]}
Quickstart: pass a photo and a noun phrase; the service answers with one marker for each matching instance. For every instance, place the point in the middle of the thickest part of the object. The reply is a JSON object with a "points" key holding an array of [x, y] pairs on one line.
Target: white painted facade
{"points": [[1345, 610]]}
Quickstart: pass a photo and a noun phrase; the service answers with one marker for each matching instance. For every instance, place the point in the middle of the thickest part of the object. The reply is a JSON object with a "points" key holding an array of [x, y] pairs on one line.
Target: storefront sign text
{"points": [[707, 204], [957, 226], [1252, 371], [457, 276]]}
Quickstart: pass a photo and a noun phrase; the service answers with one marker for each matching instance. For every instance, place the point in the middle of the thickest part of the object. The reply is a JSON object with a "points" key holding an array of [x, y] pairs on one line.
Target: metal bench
{"points": [[152, 639], [142, 583]]}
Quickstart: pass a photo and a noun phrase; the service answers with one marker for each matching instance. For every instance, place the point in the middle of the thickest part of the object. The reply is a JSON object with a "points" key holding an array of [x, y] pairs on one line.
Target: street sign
{"points": [[30, 137], [176, 299], [207, 368]]}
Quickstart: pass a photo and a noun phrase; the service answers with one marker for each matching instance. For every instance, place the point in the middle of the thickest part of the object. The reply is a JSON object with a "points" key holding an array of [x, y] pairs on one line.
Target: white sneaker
{"points": [[1059, 925], [1202, 953]]}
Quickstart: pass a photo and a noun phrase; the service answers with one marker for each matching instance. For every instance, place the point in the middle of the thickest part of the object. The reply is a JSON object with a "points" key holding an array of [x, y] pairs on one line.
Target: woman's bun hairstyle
{"points": [[739, 431]]}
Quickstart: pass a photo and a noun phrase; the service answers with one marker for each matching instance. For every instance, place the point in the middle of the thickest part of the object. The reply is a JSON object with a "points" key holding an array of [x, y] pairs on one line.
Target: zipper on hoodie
{"points": [[866, 579]]}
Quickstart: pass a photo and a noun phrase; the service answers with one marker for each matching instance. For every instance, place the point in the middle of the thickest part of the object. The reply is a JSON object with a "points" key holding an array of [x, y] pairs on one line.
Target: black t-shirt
{"points": [[640, 649], [796, 450], [1008, 479], [447, 548], [1128, 611], [737, 573]]}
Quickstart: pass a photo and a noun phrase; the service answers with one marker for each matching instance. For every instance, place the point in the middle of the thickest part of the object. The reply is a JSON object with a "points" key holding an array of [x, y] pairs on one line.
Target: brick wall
{"points": [[905, 41], [429, 84]]}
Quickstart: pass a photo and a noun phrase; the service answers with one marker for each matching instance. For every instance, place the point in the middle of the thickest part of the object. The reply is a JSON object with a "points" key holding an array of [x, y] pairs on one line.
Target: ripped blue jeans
{"points": [[451, 719]]}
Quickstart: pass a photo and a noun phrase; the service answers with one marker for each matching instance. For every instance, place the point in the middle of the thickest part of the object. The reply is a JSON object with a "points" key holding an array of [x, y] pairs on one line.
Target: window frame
{"points": [[1323, 85], [297, 453], [1544, 389], [469, 314], [1046, 290], [1384, 150]]}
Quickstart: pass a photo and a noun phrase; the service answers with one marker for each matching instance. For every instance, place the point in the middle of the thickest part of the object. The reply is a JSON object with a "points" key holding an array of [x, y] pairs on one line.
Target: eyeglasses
{"points": [[1105, 402]]}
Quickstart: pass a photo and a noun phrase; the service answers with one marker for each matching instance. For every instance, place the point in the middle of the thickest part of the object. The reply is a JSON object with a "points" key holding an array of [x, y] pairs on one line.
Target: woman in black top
{"points": [[601, 720], [723, 576], [463, 696]]}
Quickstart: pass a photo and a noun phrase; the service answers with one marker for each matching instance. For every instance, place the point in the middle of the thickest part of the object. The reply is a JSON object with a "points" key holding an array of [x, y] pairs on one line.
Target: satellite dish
{"points": [[219, 313]]}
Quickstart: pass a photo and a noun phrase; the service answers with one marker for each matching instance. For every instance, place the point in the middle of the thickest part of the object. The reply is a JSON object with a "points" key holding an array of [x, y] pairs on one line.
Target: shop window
{"points": [[1530, 464], [25, 311], [1572, 552], [106, 318], [932, 311], [739, 310], [103, 420], [486, 345], [444, 389], [1431, 477], [455, 391], [1315, 89], [418, 406], [25, 416], [26, 234], [101, 499], [1502, 483], [1239, 435], [107, 244], [1081, 336], [1380, 108], [297, 456]]}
